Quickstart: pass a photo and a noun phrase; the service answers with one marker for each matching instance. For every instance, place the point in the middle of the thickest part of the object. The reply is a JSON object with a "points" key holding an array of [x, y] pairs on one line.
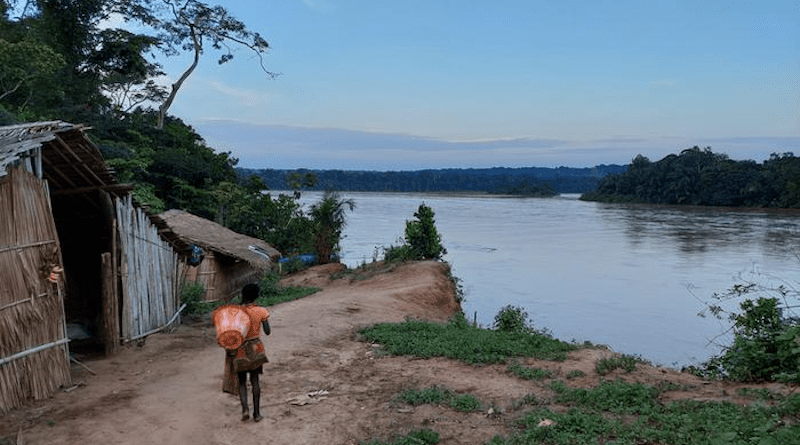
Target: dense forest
{"points": [[57, 62], [701, 177], [536, 181]]}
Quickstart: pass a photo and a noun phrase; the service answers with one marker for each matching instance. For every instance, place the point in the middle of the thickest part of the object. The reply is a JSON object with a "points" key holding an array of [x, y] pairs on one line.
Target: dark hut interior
{"points": [[81, 187]]}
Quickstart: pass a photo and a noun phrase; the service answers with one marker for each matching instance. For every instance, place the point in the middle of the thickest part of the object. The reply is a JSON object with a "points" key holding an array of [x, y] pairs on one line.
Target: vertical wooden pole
{"points": [[110, 323]]}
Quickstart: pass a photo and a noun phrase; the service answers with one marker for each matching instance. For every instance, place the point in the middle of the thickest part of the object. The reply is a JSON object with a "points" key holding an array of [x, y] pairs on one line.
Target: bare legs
{"points": [[256, 395]]}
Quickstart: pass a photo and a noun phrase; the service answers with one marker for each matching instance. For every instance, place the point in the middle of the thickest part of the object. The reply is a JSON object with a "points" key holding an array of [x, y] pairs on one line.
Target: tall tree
{"points": [[191, 25]]}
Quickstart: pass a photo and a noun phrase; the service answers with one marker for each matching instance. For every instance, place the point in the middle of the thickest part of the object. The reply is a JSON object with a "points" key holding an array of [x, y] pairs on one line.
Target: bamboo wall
{"points": [[222, 279], [34, 358], [150, 271]]}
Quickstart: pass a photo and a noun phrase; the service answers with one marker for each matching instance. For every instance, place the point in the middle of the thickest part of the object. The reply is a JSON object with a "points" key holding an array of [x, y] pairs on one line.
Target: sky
{"points": [[408, 84]]}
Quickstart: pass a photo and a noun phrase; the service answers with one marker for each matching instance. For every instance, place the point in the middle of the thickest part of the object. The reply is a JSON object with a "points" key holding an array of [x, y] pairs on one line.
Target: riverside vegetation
{"points": [[614, 411]]}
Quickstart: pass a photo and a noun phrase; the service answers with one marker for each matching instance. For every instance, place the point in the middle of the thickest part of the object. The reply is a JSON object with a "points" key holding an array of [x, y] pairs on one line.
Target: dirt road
{"points": [[322, 385]]}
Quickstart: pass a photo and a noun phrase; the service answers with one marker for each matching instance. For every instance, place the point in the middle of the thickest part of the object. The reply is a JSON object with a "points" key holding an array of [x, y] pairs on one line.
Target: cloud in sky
{"points": [[290, 147]]}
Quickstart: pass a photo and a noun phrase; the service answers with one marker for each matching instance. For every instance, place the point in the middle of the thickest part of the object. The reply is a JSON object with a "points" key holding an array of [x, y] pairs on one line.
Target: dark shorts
{"points": [[259, 370]]}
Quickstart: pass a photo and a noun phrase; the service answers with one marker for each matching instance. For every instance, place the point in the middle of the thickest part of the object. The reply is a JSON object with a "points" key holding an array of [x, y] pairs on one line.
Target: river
{"points": [[632, 277]]}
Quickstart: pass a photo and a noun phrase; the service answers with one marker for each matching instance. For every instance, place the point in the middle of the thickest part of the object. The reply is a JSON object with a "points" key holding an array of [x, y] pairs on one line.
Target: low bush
{"points": [[458, 339], [417, 437], [625, 362], [437, 395]]}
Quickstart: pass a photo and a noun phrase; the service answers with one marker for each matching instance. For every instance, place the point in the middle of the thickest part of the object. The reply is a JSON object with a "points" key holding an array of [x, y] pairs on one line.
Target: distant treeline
{"points": [[490, 180], [700, 177]]}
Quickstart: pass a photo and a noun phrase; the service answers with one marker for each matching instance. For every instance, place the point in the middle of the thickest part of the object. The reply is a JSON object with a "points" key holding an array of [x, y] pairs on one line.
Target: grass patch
{"points": [[528, 373], [272, 293], [624, 362], [438, 395], [418, 437], [459, 340], [574, 374], [626, 413]]}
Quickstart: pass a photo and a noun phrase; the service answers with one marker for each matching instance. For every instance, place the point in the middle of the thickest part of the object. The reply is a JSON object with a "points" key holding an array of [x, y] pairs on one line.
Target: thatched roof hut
{"points": [[70, 238], [231, 259]]}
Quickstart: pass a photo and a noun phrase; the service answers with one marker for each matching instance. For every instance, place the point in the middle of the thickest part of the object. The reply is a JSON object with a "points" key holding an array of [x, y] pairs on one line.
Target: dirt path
{"points": [[168, 390]]}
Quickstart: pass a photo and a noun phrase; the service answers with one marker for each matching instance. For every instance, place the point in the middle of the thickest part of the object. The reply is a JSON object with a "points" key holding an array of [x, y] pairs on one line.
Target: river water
{"points": [[632, 277]]}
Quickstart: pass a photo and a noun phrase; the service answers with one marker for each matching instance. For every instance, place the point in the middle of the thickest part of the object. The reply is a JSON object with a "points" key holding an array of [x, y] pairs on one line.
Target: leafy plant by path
{"points": [[528, 373], [459, 340], [624, 413], [437, 395], [417, 437], [624, 362]]}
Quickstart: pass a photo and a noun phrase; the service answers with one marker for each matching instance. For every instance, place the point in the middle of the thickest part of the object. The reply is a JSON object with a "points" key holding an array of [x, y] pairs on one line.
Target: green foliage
{"points": [[625, 362], [192, 296], [417, 437], [766, 346], [700, 177], [459, 340], [422, 240], [765, 328], [525, 188], [527, 373], [512, 319], [271, 292], [25, 66], [630, 413], [574, 374], [328, 221], [437, 395]]}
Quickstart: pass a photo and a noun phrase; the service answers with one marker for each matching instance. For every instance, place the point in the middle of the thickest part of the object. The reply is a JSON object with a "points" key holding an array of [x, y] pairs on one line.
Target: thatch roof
{"points": [[62, 154], [182, 229]]}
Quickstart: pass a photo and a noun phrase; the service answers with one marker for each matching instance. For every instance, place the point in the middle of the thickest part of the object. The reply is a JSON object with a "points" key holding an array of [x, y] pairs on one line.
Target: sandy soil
{"points": [[322, 384]]}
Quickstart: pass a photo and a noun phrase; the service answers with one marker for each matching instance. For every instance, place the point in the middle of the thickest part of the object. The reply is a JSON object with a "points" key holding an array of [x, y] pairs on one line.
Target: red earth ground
{"points": [[322, 384]]}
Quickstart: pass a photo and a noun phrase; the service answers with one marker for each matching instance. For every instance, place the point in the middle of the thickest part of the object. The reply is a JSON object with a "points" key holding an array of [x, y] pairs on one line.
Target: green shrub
{"points": [[765, 345], [576, 373], [512, 319], [422, 241], [527, 373], [458, 339], [417, 437], [624, 362], [192, 297], [270, 292], [437, 395]]}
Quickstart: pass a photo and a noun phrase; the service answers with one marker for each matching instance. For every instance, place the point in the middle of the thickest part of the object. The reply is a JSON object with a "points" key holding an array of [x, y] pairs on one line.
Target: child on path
{"points": [[250, 357]]}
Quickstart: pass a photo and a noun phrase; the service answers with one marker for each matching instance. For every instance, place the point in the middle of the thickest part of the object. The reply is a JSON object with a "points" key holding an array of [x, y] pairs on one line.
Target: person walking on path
{"points": [[250, 357]]}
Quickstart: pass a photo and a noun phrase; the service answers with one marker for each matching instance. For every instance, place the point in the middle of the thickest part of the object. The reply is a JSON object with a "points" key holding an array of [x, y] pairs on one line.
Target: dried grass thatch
{"points": [[33, 353], [232, 259]]}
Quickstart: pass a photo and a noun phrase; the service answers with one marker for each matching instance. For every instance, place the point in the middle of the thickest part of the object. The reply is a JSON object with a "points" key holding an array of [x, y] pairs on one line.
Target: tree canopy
{"points": [[701, 177]]}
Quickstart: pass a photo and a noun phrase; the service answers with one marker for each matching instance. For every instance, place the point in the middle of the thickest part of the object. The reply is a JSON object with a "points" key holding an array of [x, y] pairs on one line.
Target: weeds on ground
{"points": [[630, 413], [418, 437], [272, 293], [625, 362], [192, 297], [439, 395], [458, 339], [575, 374], [528, 373]]}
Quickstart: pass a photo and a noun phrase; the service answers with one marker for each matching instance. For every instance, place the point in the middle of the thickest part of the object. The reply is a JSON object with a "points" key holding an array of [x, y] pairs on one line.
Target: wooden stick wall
{"points": [[150, 272]]}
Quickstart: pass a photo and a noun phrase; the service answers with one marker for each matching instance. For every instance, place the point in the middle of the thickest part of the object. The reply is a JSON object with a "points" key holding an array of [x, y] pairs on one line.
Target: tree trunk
{"points": [[162, 110]]}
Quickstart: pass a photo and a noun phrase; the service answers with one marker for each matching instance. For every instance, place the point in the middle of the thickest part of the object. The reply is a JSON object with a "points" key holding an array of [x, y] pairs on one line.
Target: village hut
{"points": [[229, 259], [71, 243]]}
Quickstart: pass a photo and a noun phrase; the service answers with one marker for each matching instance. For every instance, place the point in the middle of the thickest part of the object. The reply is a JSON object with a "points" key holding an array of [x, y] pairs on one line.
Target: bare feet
{"points": [[257, 417], [245, 416]]}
